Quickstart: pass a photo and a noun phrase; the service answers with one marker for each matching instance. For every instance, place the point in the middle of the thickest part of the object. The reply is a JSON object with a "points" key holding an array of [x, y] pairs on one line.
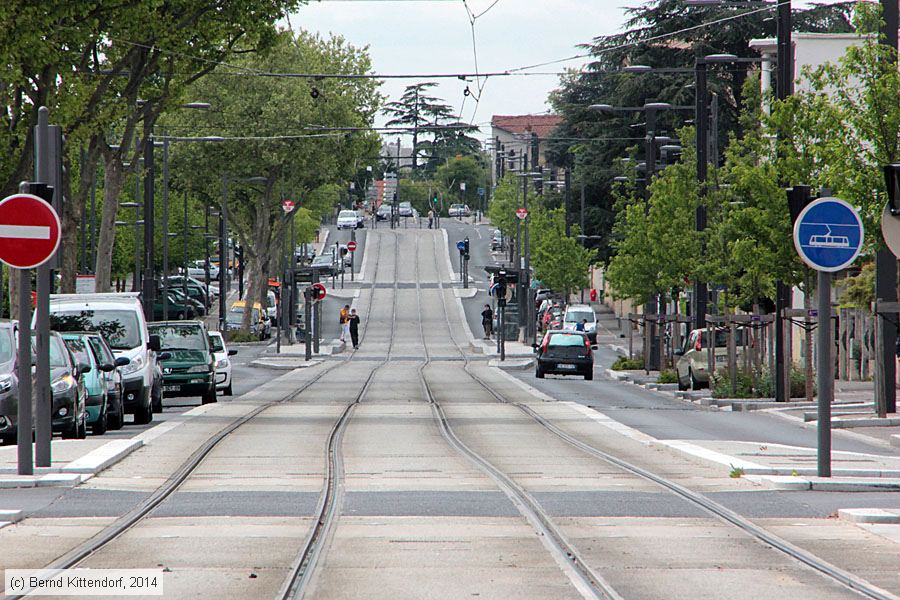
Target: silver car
{"points": [[692, 361]]}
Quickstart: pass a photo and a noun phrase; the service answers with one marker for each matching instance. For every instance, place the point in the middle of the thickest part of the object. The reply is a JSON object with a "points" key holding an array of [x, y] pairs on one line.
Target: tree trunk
{"points": [[113, 180], [74, 212]]}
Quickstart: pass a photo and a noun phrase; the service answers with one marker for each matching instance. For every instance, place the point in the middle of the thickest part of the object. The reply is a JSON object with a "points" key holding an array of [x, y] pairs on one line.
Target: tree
{"points": [[458, 172], [502, 209], [559, 261], [301, 165]]}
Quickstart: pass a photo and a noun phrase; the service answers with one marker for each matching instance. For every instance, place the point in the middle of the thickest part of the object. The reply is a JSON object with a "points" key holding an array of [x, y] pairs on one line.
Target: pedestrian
{"points": [[581, 326], [487, 321], [343, 320], [353, 324], [430, 218]]}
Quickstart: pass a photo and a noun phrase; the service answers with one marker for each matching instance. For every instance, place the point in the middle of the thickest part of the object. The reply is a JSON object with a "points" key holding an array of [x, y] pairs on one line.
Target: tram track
{"points": [[707, 504]]}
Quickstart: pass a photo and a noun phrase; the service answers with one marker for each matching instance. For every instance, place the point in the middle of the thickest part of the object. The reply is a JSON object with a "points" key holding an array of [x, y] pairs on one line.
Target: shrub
{"points": [[765, 385], [240, 336], [623, 363], [667, 376], [721, 385]]}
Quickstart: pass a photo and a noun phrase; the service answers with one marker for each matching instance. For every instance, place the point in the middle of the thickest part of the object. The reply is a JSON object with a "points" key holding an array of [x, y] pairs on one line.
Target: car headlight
{"points": [[6, 382], [63, 384], [222, 363], [136, 364], [199, 369]]}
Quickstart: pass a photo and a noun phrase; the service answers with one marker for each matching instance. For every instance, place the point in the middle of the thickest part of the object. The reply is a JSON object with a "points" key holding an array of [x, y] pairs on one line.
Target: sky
{"points": [[435, 36]]}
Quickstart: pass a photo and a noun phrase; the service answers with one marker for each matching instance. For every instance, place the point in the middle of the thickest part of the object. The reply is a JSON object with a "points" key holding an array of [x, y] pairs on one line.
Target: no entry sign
{"points": [[522, 213], [351, 246], [287, 205], [29, 231]]}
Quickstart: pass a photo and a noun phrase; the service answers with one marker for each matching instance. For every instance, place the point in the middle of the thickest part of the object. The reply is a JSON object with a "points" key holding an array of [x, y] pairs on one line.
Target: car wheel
{"points": [[681, 385], [589, 375], [7, 440], [156, 402], [227, 391], [209, 396], [102, 424], [539, 373], [117, 420], [82, 428], [143, 415], [696, 385], [71, 432]]}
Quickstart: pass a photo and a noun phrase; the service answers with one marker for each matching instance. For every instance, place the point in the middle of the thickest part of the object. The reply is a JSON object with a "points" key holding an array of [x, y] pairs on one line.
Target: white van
{"points": [[119, 318], [271, 308], [578, 313]]}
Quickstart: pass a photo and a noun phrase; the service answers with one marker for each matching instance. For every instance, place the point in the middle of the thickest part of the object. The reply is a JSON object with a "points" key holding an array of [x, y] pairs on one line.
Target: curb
{"points": [[106, 455], [274, 365], [511, 365], [870, 515], [827, 484]]}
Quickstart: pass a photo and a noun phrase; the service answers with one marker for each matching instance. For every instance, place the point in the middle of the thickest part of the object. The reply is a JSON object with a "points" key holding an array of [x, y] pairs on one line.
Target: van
{"points": [[578, 313], [119, 318]]}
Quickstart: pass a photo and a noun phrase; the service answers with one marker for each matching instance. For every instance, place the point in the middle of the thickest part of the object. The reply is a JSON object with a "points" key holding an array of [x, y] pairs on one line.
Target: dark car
{"points": [[178, 294], [189, 368], [178, 309], [112, 377], [9, 383], [67, 389], [565, 353]]}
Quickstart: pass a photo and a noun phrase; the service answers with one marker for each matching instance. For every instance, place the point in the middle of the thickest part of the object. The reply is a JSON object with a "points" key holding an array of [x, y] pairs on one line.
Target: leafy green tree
{"points": [[559, 261], [503, 205], [465, 170]]}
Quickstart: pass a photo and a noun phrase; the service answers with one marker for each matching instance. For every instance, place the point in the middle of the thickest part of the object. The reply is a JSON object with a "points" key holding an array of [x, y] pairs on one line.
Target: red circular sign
{"points": [[351, 246], [287, 205], [320, 291], [522, 213], [29, 231]]}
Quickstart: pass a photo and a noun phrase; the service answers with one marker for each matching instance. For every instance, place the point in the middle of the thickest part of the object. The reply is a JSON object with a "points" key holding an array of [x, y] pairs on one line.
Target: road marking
{"points": [[25, 232]]}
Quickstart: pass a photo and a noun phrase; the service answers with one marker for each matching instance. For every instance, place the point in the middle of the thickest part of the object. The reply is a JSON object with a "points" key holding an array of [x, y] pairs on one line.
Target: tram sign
{"points": [[29, 231], [828, 234]]}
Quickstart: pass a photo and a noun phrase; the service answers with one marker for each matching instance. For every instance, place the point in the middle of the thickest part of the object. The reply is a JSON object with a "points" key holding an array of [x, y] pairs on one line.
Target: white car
{"points": [[223, 364], [578, 313], [405, 209], [459, 210], [347, 219], [198, 270]]}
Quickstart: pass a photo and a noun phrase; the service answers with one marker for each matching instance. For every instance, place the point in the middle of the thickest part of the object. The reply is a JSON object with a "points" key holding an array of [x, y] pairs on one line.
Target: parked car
{"points": [[259, 324], [223, 364], [119, 318], [459, 210], [272, 307], [303, 258], [181, 298], [496, 240], [9, 383], [565, 353], [552, 318], [325, 265], [94, 384], [195, 289], [347, 219], [178, 309], [112, 378], [190, 369], [405, 209], [67, 390], [383, 213], [198, 269], [578, 313], [360, 219], [692, 360]]}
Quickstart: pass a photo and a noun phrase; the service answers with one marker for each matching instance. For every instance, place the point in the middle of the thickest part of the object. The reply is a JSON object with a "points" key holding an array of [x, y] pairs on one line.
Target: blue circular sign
{"points": [[460, 245], [828, 234]]}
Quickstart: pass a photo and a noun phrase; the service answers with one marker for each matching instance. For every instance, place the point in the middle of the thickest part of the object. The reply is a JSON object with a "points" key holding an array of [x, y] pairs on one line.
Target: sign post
{"points": [[351, 246], [522, 213], [828, 236]]}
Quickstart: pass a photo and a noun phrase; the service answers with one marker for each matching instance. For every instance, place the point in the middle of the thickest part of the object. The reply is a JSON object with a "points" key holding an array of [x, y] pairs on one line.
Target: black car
{"points": [[9, 383], [565, 353], [67, 390]]}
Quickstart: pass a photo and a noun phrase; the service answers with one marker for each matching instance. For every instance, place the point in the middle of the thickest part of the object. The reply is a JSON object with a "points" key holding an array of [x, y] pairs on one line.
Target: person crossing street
{"points": [[487, 321], [344, 321], [353, 325]]}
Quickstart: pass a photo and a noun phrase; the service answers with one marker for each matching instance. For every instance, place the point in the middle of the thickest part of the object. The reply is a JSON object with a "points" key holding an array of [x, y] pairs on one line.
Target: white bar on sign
{"points": [[25, 232]]}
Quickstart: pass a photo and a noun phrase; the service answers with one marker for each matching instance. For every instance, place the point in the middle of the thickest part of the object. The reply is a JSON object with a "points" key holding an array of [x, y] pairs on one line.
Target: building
{"points": [[513, 138]]}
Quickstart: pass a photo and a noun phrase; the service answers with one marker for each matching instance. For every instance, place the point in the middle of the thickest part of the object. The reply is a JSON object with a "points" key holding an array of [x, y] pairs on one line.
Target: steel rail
{"points": [[823, 567], [585, 580], [330, 500]]}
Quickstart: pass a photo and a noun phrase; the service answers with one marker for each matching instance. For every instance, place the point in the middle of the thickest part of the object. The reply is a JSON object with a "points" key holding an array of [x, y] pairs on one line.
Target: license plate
{"points": [[566, 367], [171, 388]]}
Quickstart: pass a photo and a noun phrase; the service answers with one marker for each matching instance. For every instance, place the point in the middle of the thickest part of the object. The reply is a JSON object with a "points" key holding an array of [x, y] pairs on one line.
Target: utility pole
{"points": [[701, 123], [651, 361], [784, 88], [148, 284], [165, 226], [886, 266]]}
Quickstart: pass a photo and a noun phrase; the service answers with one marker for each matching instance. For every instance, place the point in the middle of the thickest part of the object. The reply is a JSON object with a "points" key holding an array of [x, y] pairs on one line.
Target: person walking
{"points": [[430, 218], [487, 321], [353, 325], [343, 320]]}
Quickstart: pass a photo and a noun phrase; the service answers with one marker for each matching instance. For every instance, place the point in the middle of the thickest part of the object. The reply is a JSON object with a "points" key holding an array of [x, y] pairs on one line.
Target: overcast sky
{"points": [[434, 36]]}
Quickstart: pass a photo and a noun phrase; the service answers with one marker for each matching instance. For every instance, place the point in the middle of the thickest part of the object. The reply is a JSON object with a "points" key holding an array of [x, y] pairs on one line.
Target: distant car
{"points": [[405, 209], [67, 389], [360, 219], [496, 240], [223, 364], [178, 309], [459, 210], [552, 318], [96, 400], [178, 293], [9, 383], [578, 313], [190, 369], [383, 213], [310, 253], [325, 265], [271, 307], [565, 353], [259, 324], [198, 269], [692, 361], [115, 389], [347, 219]]}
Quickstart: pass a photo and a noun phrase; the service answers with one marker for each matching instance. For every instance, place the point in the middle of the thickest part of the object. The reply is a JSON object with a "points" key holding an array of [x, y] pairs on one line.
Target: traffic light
{"points": [[435, 199], [466, 248], [344, 251], [501, 288]]}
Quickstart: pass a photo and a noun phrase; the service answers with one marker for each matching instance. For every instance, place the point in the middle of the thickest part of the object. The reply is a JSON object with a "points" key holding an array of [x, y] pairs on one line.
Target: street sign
{"points": [[521, 213], [319, 290], [890, 229], [460, 245], [287, 205], [828, 234], [351, 246], [29, 231]]}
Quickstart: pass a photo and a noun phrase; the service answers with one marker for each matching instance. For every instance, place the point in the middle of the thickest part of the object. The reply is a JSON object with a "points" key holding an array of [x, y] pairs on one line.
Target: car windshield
{"points": [[347, 214], [563, 339], [215, 343], [7, 345], [577, 316], [180, 337], [79, 349], [58, 353], [101, 353], [236, 315], [722, 338], [120, 328]]}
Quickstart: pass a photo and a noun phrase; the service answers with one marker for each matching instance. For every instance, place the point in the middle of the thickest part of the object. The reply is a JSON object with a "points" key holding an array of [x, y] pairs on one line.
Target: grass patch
{"points": [[240, 336], [667, 376], [623, 363], [736, 472]]}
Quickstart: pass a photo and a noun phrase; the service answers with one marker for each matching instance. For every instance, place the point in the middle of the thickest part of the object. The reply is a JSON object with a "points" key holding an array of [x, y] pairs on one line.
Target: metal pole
{"points": [[223, 253], [292, 265], [317, 314], [184, 246], [136, 283], [503, 332], [352, 259], [82, 263], [206, 263], [702, 124], [44, 171], [886, 265], [824, 373], [280, 310], [165, 226], [568, 199], [529, 304], [307, 325], [653, 306], [148, 291], [25, 451]]}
